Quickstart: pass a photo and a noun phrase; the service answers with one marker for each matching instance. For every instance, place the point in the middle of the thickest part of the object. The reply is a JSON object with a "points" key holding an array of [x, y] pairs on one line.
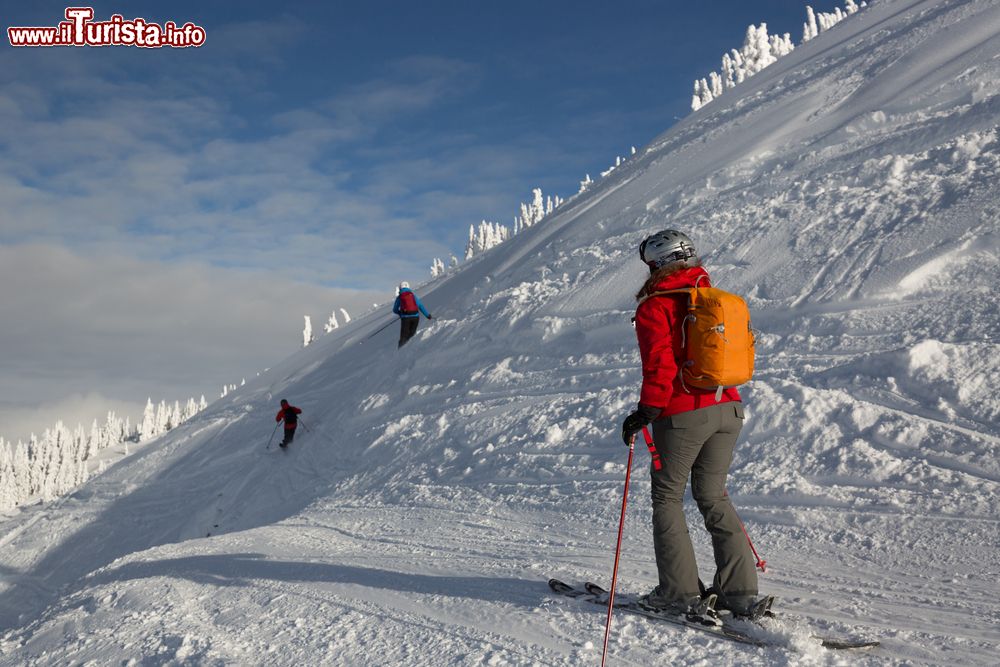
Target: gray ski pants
{"points": [[699, 443]]}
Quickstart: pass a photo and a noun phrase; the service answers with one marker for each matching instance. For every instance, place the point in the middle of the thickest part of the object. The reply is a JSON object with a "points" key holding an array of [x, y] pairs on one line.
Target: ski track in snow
{"points": [[849, 191]]}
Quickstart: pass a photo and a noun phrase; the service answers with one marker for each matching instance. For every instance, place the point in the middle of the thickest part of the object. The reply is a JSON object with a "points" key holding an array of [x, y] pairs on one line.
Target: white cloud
{"points": [[125, 329], [18, 422]]}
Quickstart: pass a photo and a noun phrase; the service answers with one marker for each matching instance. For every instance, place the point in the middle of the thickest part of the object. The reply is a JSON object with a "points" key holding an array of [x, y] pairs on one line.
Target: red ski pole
{"points": [[618, 551], [761, 564]]}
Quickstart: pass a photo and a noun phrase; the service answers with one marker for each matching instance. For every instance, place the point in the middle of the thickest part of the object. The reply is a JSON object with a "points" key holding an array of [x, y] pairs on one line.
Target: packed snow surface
{"points": [[849, 191]]}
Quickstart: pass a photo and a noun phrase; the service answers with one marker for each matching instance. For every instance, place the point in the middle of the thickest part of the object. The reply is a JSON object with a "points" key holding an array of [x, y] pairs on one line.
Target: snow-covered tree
{"points": [[810, 28], [331, 323], [56, 463], [533, 213], [618, 162], [162, 419], [822, 21], [147, 427], [470, 247], [537, 205], [95, 440], [307, 332], [22, 472], [437, 267], [486, 236], [347, 316], [8, 490], [191, 409], [702, 94], [587, 181], [760, 50]]}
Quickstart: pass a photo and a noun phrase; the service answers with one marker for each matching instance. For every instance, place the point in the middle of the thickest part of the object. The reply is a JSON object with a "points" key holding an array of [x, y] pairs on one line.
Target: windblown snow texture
{"points": [[849, 191]]}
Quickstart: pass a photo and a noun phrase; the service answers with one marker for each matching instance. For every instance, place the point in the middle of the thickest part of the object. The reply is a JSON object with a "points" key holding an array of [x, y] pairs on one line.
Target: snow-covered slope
{"points": [[848, 190]]}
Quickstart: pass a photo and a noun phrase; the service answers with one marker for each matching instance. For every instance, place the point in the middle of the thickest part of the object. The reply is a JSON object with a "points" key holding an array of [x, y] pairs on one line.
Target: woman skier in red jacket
{"points": [[694, 431]]}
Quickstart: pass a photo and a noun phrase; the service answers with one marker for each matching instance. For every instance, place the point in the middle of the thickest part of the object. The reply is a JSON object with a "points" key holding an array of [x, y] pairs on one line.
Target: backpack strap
{"points": [[690, 292]]}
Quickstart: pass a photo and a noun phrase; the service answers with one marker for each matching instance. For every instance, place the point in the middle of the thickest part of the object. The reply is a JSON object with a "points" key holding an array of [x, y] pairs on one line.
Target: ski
{"points": [[632, 606], [763, 610], [597, 595]]}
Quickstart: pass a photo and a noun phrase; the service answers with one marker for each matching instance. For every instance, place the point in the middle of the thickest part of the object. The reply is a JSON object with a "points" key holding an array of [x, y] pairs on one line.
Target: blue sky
{"points": [[312, 153]]}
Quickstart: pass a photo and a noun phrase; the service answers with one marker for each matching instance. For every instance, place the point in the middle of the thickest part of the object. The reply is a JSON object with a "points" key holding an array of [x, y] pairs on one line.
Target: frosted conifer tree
{"points": [[523, 221], [162, 418], [147, 428], [486, 236], [781, 45], [80, 443], [829, 19], [537, 205], [22, 467], [470, 247], [702, 94], [307, 332], [587, 182], [176, 416], [8, 495], [347, 317], [56, 463], [331, 323], [809, 29], [715, 81], [454, 262], [96, 439], [619, 161], [760, 50], [818, 22]]}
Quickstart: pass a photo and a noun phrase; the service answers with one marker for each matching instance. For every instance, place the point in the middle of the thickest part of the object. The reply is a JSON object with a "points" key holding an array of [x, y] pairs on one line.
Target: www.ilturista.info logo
{"points": [[79, 29]]}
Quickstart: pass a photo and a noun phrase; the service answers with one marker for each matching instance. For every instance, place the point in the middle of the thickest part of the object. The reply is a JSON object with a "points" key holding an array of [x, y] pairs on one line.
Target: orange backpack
{"points": [[717, 338]]}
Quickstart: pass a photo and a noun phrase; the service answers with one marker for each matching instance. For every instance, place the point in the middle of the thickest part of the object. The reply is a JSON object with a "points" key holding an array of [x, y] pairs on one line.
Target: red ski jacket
{"points": [[291, 416], [658, 326]]}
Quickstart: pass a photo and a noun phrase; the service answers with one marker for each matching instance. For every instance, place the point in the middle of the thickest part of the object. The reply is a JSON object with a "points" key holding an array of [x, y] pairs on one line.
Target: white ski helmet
{"points": [[668, 247], [404, 285]]}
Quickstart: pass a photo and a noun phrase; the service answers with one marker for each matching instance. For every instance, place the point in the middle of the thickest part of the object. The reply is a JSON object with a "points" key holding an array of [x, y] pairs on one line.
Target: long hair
{"points": [[659, 274]]}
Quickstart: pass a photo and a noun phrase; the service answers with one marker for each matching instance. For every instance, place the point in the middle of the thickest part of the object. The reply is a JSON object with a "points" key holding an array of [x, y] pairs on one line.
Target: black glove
{"points": [[635, 421], [430, 317]]}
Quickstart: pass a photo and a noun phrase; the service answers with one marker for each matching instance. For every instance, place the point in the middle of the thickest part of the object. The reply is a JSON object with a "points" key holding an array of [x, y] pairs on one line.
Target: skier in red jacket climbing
{"points": [[290, 414]]}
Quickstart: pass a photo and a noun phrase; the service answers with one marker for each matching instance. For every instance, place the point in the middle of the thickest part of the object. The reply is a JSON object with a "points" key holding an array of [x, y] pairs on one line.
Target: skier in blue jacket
{"points": [[408, 307]]}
